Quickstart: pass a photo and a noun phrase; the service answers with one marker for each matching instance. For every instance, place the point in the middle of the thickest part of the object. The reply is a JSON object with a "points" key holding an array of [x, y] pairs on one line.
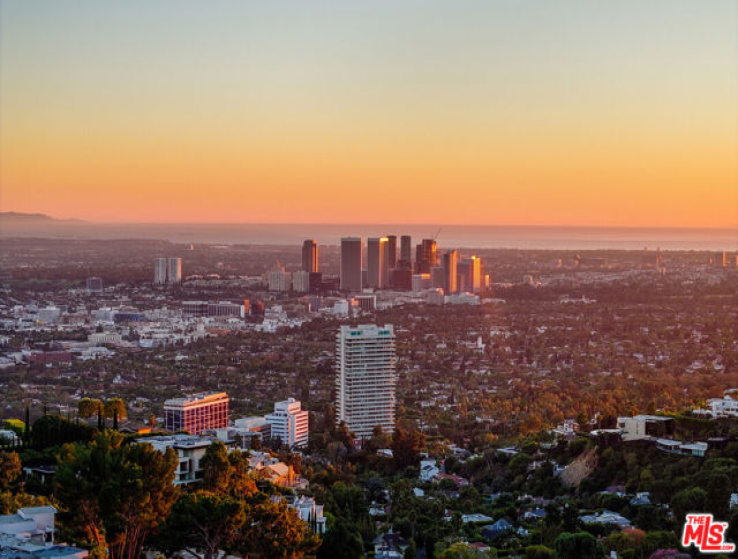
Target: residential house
{"points": [[606, 517], [645, 426], [190, 451], [428, 470], [29, 534], [495, 530], [534, 515], [308, 511], [642, 498], [390, 546]]}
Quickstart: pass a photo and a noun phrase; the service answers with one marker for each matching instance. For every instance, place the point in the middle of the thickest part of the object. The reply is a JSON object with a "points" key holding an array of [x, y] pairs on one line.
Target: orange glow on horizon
{"points": [[533, 124]]}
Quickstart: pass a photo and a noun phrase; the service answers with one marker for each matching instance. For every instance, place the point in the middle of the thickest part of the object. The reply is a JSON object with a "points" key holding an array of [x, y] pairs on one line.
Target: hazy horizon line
{"points": [[81, 221]]}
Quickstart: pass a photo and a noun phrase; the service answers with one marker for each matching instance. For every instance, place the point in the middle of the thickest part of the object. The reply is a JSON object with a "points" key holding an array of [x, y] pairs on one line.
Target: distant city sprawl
{"points": [[378, 396]]}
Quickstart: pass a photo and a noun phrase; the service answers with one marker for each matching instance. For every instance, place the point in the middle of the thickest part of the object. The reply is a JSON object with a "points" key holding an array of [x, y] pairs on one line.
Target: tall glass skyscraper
{"points": [[376, 262], [351, 264], [310, 256]]}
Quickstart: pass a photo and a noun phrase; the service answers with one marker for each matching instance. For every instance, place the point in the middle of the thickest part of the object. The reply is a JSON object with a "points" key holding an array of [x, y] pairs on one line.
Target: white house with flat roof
{"points": [[29, 522], [190, 450], [677, 447], [723, 407], [29, 534], [642, 426]]}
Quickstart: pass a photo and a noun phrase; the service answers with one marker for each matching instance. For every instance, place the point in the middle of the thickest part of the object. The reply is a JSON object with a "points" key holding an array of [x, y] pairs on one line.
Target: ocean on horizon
{"points": [[456, 236]]}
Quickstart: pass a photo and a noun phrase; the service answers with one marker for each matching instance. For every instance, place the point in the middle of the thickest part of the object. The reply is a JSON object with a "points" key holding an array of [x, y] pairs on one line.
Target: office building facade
{"points": [[450, 272], [199, 309], [376, 262], [406, 248], [426, 256], [174, 270], [197, 413], [160, 271], [391, 251], [95, 285], [301, 281], [475, 265], [310, 256], [351, 276], [470, 274], [366, 378]]}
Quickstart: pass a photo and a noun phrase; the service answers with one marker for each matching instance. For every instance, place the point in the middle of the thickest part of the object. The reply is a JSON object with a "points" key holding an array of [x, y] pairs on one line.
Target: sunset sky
{"points": [[480, 112]]}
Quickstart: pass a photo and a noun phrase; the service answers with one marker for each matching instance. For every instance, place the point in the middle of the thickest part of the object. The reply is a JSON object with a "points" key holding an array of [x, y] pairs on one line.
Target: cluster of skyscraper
{"points": [[388, 268], [168, 270]]}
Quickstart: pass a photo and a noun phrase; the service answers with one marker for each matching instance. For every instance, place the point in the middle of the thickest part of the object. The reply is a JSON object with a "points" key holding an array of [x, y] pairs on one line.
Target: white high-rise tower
{"points": [[366, 378], [174, 275], [160, 270]]}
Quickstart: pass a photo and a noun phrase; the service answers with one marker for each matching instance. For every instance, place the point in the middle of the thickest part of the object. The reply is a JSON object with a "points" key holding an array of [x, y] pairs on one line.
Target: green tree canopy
{"points": [[582, 545], [89, 407], [692, 499], [202, 524], [342, 539], [274, 530], [113, 406], [10, 502], [539, 552], [216, 468], [10, 469], [114, 494], [406, 447], [461, 550], [240, 482]]}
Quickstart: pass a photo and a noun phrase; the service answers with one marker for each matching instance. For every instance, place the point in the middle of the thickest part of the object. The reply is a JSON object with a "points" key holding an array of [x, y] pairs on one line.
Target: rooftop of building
{"points": [[370, 329], [12, 547], [178, 440], [200, 397], [646, 417]]}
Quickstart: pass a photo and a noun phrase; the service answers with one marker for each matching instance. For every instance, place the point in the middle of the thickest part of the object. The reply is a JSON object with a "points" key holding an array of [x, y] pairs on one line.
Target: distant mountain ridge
{"points": [[22, 217]]}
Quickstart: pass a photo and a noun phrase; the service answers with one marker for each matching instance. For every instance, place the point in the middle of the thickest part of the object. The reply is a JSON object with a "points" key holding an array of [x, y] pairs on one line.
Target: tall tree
{"points": [[89, 407], [406, 447], [581, 544], [216, 468], [240, 484], [203, 524], [341, 540], [274, 530], [10, 469], [114, 494], [27, 427], [113, 406]]}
